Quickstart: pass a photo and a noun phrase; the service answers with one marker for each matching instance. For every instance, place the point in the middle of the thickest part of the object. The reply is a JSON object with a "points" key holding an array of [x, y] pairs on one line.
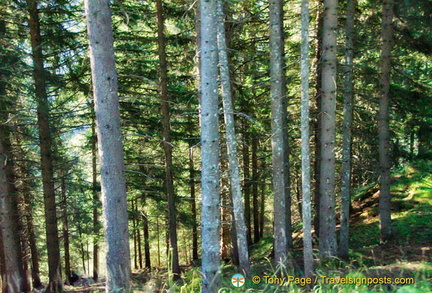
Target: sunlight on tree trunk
{"points": [[110, 146]]}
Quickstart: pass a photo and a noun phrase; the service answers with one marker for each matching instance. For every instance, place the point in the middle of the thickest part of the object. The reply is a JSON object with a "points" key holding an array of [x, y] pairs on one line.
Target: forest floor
{"points": [[407, 256]]}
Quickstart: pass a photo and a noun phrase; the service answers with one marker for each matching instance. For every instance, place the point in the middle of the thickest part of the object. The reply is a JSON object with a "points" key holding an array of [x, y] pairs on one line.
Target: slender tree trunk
{"points": [[384, 120], [346, 131], [247, 179], [96, 200], [28, 212], [65, 219], [139, 248], [318, 114], [328, 245], [3, 265], [255, 195], [263, 197], [210, 149], [231, 140], [45, 141], [305, 144], [282, 231], [114, 204], [193, 203], [167, 145], [147, 242], [134, 233]]}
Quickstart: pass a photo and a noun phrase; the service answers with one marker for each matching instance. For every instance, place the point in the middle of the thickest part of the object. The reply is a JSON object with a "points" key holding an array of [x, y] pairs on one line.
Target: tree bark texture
{"points": [[346, 131], [231, 140], [305, 144], [9, 217], [384, 120], [327, 233], [114, 205], [210, 149], [317, 124], [282, 230], [45, 142]]}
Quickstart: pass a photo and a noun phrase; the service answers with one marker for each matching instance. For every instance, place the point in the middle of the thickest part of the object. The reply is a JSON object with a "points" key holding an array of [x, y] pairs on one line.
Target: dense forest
{"points": [[216, 146]]}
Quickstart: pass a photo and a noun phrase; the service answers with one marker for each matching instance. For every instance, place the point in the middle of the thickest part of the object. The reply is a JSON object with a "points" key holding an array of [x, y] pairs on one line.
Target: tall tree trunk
{"points": [[134, 233], [384, 120], [193, 203], [328, 245], [45, 142], [167, 146], [96, 200], [305, 144], [67, 271], [346, 131], [10, 229], [28, 221], [231, 140], [147, 242], [114, 204], [318, 115], [246, 178], [282, 231], [262, 202], [209, 149], [255, 195], [139, 248]]}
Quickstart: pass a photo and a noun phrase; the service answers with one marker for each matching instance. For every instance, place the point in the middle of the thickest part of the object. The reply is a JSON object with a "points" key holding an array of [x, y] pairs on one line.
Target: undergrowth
{"points": [[406, 258]]}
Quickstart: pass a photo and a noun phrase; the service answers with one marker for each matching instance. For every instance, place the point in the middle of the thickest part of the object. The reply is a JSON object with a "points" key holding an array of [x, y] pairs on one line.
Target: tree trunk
{"points": [[193, 203], [10, 229], [305, 144], [318, 115], [28, 222], [167, 145], [114, 204], [147, 242], [45, 141], [96, 200], [328, 245], [246, 179], [231, 140], [346, 131], [210, 149], [282, 231], [255, 177], [384, 120], [65, 219]]}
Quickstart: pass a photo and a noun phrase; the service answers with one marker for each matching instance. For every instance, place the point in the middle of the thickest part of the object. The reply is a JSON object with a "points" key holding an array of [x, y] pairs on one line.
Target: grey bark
{"points": [[210, 149], [327, 233], [114, 205], [231, 140], [346, 131], [305, 144], [384, 120], [282, 217]]}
